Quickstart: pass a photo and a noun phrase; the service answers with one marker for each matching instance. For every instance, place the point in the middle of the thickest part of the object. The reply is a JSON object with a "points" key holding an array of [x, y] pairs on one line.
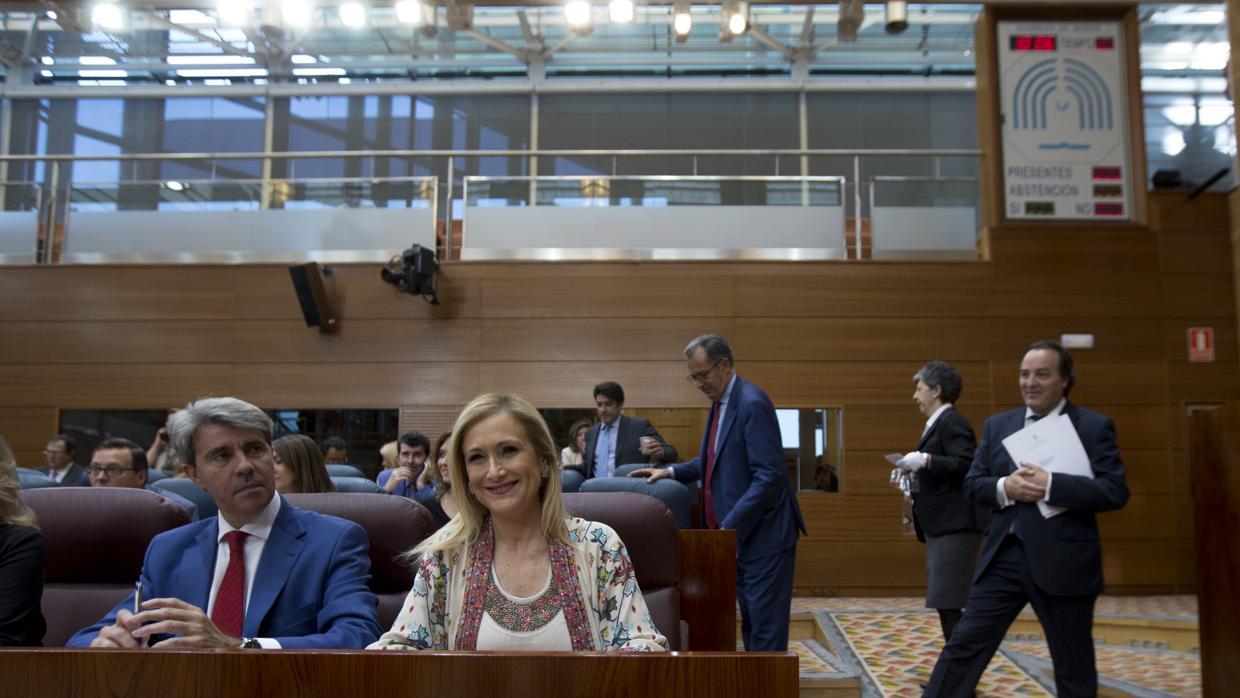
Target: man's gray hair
{"points": [[226, 411], [715, 346]]}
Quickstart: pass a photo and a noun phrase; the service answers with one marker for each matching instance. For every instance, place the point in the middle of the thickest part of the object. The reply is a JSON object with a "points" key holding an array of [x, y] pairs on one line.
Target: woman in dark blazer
{"points": [[23, 550], [946, 520]]}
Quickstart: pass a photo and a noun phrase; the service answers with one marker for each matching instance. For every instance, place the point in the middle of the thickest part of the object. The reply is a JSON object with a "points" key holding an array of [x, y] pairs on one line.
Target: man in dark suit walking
{"points": [[622, 436], [1053, 563], [746, 488]]}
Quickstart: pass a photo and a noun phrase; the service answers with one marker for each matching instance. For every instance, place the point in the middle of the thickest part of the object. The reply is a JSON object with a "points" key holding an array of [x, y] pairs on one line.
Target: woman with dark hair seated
{"points": [[572, 453], [512, 570], [299, 466], [23, 550], [437, 475]]}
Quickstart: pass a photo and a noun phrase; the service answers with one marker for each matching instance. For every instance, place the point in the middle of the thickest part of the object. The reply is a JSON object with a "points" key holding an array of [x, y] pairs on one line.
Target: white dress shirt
{"points": [[259, 531]]}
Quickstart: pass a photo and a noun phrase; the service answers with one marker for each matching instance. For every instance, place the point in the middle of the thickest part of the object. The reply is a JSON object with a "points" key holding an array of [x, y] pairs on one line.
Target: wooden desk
{"points": [[212, 673]]}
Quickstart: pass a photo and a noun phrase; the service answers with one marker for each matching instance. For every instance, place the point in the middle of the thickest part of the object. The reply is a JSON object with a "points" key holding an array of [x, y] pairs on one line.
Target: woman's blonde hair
{"points": [[12, 509], [388, 453], [464, 528]]}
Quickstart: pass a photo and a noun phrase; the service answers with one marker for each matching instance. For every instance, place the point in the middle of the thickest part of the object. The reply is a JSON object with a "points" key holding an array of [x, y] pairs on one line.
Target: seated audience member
{"points": [[335, 451], [512, 570], [411, 455], [299, 466], [60, 466], [440, 503], [261, 574], [571, 455], [159, 456], [23, 550], [119, 462], [619, 440], [387, 452]]}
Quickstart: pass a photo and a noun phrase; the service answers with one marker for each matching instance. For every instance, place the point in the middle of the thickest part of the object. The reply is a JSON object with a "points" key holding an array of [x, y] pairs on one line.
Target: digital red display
{"points": [[1106, 173], [1104, 43], [1033, 42], [1101, 209]]}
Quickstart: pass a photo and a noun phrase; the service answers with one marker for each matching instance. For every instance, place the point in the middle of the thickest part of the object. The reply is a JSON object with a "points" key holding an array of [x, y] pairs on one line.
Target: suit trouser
{"points": [[764, 591], [996, 599]]}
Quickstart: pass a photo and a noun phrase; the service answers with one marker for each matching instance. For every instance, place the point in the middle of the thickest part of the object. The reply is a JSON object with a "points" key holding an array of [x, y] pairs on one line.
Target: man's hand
{"points": [[912, 461], [174, 616], [119, 634], [651, 474], [1027, 484], [399, 475]]}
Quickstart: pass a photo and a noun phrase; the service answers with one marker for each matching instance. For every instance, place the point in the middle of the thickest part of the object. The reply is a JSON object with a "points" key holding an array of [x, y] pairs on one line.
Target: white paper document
{"points": [[1054, 445]]}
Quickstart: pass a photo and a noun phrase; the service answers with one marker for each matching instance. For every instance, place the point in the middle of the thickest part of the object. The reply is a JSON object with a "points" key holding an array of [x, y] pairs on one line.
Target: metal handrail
{"points": [[56, 160]]}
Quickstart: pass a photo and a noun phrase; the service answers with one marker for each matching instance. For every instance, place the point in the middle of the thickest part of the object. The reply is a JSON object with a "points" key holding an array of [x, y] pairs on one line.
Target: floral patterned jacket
{"points": [[603, 606]]}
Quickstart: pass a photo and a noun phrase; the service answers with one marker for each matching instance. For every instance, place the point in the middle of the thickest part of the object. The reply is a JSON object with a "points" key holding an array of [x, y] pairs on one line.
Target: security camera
{"points": [[414, 271], [897, 16]]}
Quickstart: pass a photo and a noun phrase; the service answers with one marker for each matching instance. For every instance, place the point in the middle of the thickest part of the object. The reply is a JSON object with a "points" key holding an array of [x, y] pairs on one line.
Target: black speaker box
{"points": [[316, 303]]}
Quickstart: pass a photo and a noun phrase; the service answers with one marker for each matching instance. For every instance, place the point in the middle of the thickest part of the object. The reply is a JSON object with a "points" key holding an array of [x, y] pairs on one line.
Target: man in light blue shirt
{"points": [[618, 439]]}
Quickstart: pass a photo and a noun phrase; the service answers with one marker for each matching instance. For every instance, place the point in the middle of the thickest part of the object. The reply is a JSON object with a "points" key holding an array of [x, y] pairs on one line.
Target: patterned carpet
{"points": [[891, 644]]}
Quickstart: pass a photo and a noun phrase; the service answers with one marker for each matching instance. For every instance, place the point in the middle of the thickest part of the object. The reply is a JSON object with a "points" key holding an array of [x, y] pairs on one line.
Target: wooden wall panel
{"points": [[846, 335], [27, 429]]}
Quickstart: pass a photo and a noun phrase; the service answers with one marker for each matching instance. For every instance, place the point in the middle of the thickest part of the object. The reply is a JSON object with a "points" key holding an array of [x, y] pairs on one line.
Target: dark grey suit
{"points": [[628, 444], [75, 476]]}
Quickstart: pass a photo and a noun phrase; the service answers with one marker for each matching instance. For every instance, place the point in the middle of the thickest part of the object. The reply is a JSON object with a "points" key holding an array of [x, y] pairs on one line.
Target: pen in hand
{"points": [[137, 596]]}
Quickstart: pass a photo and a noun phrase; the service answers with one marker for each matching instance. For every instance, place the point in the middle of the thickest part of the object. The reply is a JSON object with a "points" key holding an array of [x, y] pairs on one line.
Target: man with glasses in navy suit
{"points": [[746, 488]]}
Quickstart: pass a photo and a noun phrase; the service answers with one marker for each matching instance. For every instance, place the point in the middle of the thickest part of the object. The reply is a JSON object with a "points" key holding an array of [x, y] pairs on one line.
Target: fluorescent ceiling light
{"points": [[222, 59], [222, 72], [217, 82], [97, 60], [107, 16], [47, 60], [302, 59], [45, 73], [352, 14], [620, 11], [174, 185], [344, 81], [318, 72], [102, 74]]}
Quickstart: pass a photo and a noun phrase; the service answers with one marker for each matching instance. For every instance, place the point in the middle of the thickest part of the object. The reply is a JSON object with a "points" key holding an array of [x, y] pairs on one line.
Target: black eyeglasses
{"points": [[110, 471], [700, 376]]}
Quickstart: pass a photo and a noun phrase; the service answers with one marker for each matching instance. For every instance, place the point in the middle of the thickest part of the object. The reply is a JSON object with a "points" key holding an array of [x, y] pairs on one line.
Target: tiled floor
{"points": [[892, 644]]}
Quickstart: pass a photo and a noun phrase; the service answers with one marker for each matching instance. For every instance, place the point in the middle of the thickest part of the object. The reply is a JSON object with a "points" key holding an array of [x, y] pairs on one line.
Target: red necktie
{"points": [[711, 520], [229, 611]]}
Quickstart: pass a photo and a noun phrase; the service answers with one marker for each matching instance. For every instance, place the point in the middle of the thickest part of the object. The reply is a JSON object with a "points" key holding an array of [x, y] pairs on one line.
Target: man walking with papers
{"points": [[1045, 486]]}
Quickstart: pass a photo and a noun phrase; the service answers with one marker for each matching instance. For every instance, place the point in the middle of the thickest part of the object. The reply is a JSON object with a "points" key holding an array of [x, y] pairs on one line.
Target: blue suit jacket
{"points": [[309, 591], [750, 484], [1063, 553]]}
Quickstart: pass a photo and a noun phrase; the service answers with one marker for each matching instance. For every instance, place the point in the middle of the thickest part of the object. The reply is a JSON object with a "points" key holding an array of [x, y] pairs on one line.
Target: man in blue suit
{"points": [[261, 574], [1053, 563], [746, 487]]}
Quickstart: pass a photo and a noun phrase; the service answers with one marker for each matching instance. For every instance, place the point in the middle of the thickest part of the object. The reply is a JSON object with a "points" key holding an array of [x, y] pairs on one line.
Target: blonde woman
{"points": [[23, 550], [512, 570]]}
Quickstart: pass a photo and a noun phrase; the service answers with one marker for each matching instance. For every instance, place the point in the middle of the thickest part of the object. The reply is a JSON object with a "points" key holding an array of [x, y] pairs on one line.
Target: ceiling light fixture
{"points": [[897, 16], [852, 16], [620, 11], [233, 13], [352, 14], [107, 16], [579, 14], [734, 19], [296, 13], [682, 20]]}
